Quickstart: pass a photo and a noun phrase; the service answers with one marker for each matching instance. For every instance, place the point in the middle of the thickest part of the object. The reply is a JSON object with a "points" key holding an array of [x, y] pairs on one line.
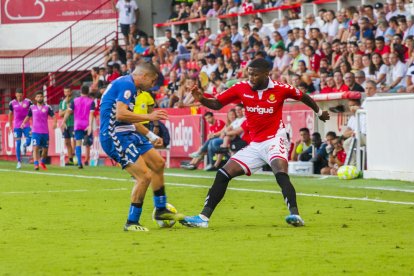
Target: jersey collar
{"points": [[270, 85]]}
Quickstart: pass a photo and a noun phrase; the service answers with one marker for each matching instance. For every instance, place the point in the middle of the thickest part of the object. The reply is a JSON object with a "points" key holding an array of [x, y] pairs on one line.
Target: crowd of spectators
{"points": [[334, 51]]}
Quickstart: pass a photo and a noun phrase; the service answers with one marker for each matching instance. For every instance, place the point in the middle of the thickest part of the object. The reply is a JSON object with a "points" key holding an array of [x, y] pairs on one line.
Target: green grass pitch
{"points": [[69, 222]]}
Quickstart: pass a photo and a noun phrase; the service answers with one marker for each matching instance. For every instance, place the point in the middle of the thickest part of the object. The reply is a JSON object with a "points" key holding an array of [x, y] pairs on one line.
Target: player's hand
{"points": [[196, 92], [158, 115], [22, 126], [158, 142], [325, 116]]}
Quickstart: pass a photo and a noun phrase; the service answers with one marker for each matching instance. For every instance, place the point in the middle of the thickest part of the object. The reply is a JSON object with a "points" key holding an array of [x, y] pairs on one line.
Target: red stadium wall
{"points": [[187, 130]]}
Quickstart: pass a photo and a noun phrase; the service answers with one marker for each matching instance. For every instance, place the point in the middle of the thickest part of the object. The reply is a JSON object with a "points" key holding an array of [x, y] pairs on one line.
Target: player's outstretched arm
{"points": [[322, 114], [210, 103], [124, 115]]}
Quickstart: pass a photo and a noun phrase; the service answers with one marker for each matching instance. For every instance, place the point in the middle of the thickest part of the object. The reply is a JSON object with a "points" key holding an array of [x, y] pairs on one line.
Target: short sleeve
{"points": [[383, 69], [93, 106], [30, 113], [72, 105], [230, 95], [245, 126], [124, 93], [150, 100], [50, 112], [289, 91], [299, 148], [10, 107]]}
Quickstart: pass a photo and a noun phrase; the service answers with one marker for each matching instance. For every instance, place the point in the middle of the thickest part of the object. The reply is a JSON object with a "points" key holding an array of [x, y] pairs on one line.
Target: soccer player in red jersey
{"points": [[263, 99]]}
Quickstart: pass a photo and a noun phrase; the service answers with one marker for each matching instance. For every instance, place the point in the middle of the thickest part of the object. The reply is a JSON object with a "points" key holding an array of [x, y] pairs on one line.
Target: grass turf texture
{"points": [[63, 224]]}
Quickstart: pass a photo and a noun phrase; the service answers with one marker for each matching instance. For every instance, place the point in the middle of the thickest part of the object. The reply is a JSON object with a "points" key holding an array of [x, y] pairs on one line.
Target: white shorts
{"points": [[255, 155]]}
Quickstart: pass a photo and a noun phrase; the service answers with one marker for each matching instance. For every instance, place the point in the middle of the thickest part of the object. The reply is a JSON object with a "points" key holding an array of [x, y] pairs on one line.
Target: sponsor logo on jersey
{"points": [[260, 110]]}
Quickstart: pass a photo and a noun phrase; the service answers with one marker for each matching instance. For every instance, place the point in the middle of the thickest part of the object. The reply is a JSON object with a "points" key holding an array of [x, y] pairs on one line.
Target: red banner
{"points": [[185, 132], [41, 11]]}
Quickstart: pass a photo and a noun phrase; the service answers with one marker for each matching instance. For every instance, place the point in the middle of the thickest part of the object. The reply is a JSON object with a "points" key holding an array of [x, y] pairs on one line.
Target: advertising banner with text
{"points": [[42, 11]]}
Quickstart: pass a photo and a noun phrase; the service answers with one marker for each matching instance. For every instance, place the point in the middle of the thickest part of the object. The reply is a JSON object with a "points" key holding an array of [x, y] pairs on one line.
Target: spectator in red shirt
{"points": [[314, 59], [336, 158], [329, 85], [339, 83], [116, 72], [380, 46]]}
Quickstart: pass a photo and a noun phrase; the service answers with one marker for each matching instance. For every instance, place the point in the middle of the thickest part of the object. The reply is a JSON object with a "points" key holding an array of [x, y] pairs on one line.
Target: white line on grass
{"points": [[192, 186], [382, 189]]}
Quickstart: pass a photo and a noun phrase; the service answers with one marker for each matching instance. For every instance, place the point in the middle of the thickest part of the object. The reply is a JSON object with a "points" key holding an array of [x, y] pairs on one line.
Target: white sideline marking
{"points": [[212, 177], [191, 186], [383, 189]]}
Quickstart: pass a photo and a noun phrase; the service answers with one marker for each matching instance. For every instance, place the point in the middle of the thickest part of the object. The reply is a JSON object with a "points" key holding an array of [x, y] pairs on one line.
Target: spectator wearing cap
{"points": [[378, 9], [349, 79], [380, 46]]}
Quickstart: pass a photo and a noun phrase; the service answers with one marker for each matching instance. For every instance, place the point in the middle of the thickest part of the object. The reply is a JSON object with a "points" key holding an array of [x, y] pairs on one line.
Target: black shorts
{"points": [[88, 140], [68, 132], [237, 144], [125, 29]]}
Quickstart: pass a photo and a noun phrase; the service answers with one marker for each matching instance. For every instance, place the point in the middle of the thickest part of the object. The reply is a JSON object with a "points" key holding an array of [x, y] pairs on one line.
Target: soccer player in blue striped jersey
{"points": [[126, 141]]}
